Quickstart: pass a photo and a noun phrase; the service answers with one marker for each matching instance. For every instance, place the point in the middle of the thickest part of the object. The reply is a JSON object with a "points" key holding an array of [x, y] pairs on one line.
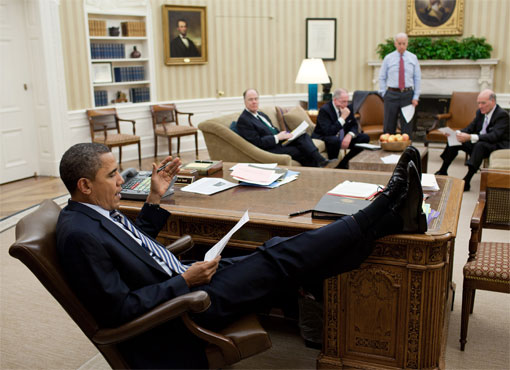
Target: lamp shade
{"points": [[312, 71]]}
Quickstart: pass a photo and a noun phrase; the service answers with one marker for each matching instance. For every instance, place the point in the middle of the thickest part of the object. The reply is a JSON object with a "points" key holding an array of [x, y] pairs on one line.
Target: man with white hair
{"points": [[399, 84]]}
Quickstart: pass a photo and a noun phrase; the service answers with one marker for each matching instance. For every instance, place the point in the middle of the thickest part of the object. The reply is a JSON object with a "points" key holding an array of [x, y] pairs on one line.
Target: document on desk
{"points": [[408, 112], [297, 132], [355, 189], [452, 136], [208, 186], [390, 159], [218, 247]]}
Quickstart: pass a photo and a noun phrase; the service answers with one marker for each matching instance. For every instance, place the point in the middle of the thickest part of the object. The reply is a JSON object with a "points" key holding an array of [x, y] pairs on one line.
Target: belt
{"points": [[398, 90]]}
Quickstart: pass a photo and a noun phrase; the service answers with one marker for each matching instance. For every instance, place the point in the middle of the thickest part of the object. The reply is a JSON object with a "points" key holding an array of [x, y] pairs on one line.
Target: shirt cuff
{"points": [[352, 134], [474, 138], [341, 120], [276, 139]]}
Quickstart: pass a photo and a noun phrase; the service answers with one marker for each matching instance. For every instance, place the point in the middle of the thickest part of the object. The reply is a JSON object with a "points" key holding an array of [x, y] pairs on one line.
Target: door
{"points": [[18, 150]]}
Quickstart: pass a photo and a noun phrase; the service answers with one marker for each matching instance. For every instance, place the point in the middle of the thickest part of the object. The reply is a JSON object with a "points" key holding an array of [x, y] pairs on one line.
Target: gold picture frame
{"points": [[191, 20], [435, 17]]}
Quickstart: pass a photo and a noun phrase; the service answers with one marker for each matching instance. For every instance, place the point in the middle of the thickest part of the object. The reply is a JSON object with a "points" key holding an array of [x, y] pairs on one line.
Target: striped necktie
{"points": [[150, 245], [401, 74]]}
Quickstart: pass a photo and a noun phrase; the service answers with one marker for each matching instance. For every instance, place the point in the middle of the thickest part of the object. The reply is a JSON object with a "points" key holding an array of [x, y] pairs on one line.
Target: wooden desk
{"points": [[391, 312], [370, 160]]}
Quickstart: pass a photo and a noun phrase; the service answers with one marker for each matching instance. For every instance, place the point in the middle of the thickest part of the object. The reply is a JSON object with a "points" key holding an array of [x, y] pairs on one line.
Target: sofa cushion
{"points": [[280, 111], [295, 116], [233, 127]]}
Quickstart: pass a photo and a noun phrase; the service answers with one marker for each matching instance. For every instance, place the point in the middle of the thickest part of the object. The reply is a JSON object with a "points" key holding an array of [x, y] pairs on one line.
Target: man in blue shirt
{"points": [[399, 84]]}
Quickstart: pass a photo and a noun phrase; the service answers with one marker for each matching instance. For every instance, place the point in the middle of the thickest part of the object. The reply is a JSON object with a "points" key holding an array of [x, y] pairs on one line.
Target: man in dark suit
{"points": [[489, 131], [118, 271], [257, 128], [182, 46], [338, 128]]}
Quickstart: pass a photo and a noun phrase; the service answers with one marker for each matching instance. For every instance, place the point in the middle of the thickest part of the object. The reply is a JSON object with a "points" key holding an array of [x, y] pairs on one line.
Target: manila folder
{"points": [[333, 206]]}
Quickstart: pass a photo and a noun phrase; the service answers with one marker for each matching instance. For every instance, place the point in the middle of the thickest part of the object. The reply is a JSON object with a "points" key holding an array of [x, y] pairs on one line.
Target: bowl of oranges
{"points": [[394, 143]]}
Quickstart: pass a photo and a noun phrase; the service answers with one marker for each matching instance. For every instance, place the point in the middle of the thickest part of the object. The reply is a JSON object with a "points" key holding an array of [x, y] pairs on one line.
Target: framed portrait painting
{"points": [[435, 17], [321, 38], [185, 34]]}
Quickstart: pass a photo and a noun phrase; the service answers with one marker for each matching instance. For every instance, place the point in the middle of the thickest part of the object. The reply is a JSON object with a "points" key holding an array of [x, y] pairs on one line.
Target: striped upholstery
{"points": [[492, 262]]}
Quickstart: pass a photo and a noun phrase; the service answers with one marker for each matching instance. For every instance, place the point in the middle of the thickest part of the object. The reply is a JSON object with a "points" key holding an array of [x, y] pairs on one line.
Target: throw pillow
{"points": [[233, 127], [280, 111], [295, 116]]}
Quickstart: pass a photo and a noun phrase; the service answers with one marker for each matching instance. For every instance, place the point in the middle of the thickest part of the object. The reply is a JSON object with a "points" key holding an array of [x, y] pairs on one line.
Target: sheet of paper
{"points": [[198, 165], [256, 175], [217, 248], [297, 132], [208, 186], [260, 165], [392, 158], [452, 137], [288, 177], [408, 112], [355, 189], [429, 182], [368, 146]]}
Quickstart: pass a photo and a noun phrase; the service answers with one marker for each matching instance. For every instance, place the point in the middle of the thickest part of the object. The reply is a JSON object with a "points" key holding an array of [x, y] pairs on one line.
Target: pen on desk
{"points": [[203, 161], [300, 213]]}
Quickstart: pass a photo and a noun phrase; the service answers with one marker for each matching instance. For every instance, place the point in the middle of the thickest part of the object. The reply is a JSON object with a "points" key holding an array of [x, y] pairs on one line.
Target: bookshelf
{"points": [[120, 57]]}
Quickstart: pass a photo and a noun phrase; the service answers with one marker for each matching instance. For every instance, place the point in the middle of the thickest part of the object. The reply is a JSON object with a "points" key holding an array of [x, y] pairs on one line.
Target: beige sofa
{"points": [[224, 144]]}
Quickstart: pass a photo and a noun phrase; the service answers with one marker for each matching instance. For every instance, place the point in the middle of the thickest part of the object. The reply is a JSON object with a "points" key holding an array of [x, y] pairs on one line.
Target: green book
{"points": [[332, 207]]}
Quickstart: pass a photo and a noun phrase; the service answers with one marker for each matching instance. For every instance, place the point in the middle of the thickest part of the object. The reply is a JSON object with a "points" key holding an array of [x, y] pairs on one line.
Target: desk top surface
{"points": [[272, 206]]}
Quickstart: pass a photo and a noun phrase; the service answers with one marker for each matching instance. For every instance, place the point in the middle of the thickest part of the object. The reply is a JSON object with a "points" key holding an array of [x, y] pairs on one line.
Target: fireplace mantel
{"points": [[445, 76]]}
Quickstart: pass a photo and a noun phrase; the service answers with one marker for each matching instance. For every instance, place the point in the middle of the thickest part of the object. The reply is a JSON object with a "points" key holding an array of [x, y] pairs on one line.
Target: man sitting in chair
{"points": [[258, 129], [119, 271], [338, 128]]}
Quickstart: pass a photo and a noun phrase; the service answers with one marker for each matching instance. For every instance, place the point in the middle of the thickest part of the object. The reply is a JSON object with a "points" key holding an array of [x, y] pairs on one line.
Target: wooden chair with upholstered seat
{"points": [[35, 246], [165, 122], [462, 111], [371, 116], [105, 129], [488, 265]]}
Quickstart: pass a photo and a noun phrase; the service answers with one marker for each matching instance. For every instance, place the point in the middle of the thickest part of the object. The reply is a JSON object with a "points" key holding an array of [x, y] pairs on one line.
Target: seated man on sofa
{"points": [[257, 128], [338, 128]]}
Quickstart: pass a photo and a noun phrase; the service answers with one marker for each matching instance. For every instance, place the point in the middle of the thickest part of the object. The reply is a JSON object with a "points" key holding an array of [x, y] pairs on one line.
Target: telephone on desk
{"points": [[137, 184]]}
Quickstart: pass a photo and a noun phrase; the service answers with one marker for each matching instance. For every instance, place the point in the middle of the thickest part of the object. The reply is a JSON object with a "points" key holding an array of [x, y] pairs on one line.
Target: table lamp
{"points": [[312, 72]]}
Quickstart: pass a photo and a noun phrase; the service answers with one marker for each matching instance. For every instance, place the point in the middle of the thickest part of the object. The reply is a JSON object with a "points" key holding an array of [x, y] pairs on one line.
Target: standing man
{"points": [[258, 129], [182, 46], [490, 130], [399, 84], [338, 128]]}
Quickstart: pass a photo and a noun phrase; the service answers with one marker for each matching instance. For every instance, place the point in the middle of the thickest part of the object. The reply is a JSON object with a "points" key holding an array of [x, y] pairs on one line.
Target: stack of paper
{"points": [[255, 174], [208, 186], [297, 132], [429, 182], [354, 189]]}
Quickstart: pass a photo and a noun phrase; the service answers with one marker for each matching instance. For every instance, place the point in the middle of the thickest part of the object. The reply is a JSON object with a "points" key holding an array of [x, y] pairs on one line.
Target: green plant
{"points": [[442, 48]]}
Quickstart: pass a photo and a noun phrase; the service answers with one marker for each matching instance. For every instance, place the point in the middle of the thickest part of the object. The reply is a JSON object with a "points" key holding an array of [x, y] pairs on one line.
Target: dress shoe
{"points": [[397, 186], [442, 173], [411, 212], [416, 158], [467, 186], [325, 162], [342, 166]]}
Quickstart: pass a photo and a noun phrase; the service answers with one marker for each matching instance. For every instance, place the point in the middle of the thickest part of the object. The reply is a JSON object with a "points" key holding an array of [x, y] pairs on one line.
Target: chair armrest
{"points": [[197, 301], [185, 113], [181, 245], [441, 116], [476, 228], [129, 120]]}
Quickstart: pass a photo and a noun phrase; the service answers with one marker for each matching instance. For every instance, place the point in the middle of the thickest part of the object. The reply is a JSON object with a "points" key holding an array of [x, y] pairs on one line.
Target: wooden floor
{"points": [[22, 194]]}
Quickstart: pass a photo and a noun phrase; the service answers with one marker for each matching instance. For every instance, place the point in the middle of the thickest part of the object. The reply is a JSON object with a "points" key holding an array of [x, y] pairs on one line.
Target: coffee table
{"points": [[370, 160]]}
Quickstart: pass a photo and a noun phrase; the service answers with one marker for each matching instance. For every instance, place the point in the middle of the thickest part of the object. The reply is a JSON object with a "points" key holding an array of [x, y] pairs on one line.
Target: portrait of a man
{"points": [[185, 34], [434, 13]]}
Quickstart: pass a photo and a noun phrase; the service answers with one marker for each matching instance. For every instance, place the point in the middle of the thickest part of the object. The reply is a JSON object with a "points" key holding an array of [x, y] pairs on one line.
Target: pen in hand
{"points": [[300, 213]]}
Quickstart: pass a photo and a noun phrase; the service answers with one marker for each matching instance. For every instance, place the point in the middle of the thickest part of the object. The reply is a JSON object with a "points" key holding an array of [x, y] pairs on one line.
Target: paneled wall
{"points": [[260, 43]]}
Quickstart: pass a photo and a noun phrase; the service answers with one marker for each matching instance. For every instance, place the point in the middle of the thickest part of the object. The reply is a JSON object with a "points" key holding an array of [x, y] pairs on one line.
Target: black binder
{"points": [[331, 207]]}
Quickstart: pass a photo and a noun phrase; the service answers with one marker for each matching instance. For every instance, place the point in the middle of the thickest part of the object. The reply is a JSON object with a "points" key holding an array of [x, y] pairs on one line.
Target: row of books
{"points": [[131, 29], [107, 51], [97, 27], [100, 98], [139, 94], [124, 74]]}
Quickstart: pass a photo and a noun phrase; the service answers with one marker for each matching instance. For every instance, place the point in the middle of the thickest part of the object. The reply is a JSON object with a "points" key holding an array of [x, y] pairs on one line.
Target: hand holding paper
{"points": [[451, 135]]}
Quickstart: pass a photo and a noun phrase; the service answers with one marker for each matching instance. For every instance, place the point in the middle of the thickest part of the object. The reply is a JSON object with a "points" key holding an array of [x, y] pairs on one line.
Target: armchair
{"points": [[35, 246], [165, 122], [102, 121], [461, 112], [488, 265], [371, 116]]}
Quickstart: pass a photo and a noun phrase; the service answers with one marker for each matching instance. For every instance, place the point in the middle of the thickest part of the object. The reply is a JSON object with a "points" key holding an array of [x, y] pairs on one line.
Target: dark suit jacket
{"points": [[117, 280], [498, 130], [328, 125], [179, 50], [256, 132]]}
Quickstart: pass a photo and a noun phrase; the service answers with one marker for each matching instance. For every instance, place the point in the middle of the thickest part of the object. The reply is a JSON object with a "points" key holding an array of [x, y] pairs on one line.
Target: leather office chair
{"points": [[35, 246], [462, 111], [165, 122], [488, 265], [371, 116], [105, 129]]}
